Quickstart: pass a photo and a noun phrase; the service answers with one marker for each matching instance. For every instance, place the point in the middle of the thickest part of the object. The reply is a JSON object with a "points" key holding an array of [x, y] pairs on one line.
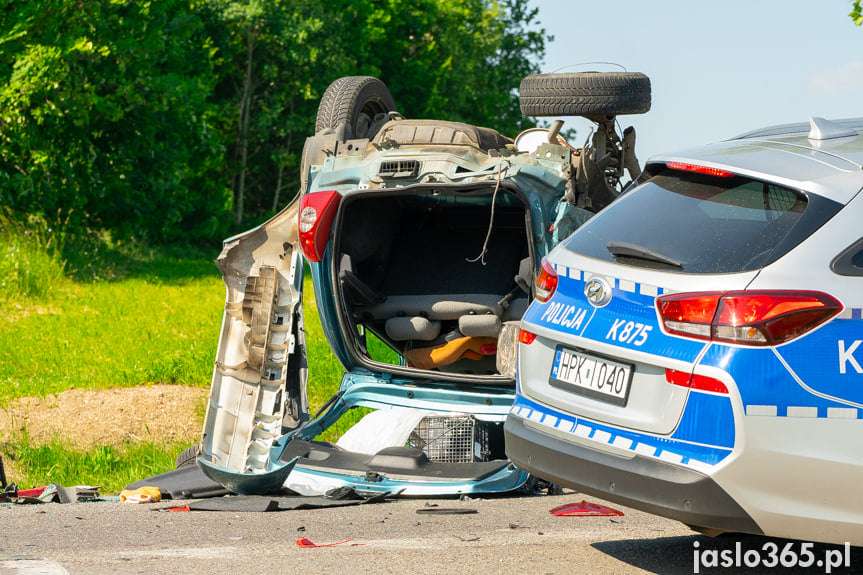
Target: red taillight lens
{"points": [[689, 313], [695, 168], [748, 318], [526, 337], [675, 377], [702, 382], [546, 283], [317, 211]]}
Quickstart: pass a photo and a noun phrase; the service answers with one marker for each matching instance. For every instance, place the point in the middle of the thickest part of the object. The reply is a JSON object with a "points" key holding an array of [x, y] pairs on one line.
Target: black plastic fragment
{"points": [[446, 511]]}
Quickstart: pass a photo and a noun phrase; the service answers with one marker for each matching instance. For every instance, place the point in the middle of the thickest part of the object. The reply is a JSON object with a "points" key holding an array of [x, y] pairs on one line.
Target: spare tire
{"points": [[355, 101], [585, 94]]}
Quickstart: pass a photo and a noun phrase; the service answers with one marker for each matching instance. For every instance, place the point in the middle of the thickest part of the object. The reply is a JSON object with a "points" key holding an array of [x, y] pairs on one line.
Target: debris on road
{"points": [[263, 503], [306, 542], [51, 493], [146, 494], [584, 509], [467, 539], [446, 511]]}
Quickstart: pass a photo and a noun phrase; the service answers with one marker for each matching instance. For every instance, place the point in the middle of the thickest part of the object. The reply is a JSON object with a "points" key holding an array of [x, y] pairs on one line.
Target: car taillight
{"points": [[749, 318], [695, 168], [317, 211], [701, 382], [546, 283], [526, 337]]}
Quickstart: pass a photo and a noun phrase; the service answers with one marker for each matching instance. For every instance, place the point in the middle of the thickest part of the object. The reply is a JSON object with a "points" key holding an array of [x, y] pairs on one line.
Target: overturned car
{"points": [[423, 239]]}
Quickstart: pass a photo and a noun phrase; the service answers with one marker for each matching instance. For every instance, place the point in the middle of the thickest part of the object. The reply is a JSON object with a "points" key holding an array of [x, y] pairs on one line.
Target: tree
{"points": [[106, 115], [157, 120], [857, 12], [266, 61], [448, 59]]}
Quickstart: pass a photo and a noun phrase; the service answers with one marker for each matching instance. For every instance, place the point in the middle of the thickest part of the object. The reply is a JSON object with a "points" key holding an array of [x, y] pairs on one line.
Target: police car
{"points": [[695, 350]]}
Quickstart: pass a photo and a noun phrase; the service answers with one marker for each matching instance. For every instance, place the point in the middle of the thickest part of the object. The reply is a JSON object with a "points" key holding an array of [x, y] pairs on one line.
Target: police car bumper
{"points": [[639, 482]]}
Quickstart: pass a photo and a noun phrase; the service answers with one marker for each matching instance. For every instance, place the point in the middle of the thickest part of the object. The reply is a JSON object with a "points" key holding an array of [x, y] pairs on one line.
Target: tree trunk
{"points": [[245, 119], [278, 187], [281, 159]]}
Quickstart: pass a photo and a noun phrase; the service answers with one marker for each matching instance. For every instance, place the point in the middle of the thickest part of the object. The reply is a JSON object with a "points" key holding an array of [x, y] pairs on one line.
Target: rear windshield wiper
{"points": [[633, 251]]}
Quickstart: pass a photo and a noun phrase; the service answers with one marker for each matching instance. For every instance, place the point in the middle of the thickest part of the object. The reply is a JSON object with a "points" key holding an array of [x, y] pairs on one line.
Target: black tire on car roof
{"points": [[585, 94], [355, 101]]}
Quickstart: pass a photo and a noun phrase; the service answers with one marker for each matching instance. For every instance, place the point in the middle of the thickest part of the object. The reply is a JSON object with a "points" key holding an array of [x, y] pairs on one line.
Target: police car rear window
{"points": [[702, 224]]}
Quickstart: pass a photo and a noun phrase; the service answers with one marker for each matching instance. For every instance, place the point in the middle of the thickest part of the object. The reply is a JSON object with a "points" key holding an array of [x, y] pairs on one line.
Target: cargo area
{"points": [[434, 273]]}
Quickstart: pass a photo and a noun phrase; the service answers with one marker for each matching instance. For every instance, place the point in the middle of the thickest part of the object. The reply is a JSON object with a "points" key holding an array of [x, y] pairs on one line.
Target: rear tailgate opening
{"points": [[427, 277]]}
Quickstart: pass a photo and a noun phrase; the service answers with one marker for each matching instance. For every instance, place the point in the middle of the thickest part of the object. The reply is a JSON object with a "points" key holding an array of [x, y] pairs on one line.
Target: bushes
{"points": [[104, 123], [157, 120]]}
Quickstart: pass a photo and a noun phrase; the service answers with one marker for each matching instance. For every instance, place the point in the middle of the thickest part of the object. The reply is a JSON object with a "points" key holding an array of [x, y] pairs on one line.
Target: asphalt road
{"points": [[505, 535]]}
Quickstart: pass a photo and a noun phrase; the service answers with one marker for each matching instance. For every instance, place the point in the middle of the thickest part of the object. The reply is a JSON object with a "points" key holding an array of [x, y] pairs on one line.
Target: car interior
{"points": [[434, 273]]}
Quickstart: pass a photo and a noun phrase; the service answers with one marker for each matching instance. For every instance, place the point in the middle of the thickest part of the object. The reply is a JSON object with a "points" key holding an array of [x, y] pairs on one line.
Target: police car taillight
{"points": [[694, 381], [697, 169], [526, 337], [546, 282], [756, 318], [317, 211]]}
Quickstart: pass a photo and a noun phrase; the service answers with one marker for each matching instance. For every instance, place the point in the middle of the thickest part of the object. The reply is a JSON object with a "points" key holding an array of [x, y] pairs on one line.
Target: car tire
{"points": [[354, 101], [585, 94], [188, 456]]}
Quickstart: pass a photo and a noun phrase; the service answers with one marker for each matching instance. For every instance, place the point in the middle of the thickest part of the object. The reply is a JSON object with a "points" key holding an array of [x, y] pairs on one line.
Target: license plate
{"points": [[596, 377]]}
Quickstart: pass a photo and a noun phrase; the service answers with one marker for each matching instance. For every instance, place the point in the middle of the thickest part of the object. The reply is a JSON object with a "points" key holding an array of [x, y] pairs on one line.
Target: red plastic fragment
{"points": [[584, 509], [35, 492], [306, 542], [183, 508]]}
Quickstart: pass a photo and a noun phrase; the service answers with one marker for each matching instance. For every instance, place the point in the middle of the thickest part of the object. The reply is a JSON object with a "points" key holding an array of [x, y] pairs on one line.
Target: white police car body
{"points": [[696, 349]]}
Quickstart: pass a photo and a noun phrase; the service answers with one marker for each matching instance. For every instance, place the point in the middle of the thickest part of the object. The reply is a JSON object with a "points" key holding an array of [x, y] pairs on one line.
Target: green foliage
{"points": [[105, 111], [153, 120], [450, 59], [30, 262], [857, 12]]}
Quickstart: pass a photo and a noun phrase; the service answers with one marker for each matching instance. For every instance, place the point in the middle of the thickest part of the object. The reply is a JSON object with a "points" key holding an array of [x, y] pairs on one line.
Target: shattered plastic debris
{"points": [[584, 509], [51, 493], [147, 494], [467, 539], [341, 497], [34, 492], [306, 542], [446, 511]]}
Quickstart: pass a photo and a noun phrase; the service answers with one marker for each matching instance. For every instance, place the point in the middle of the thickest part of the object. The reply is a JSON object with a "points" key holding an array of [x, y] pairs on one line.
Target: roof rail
{"points": [[851, 124]]}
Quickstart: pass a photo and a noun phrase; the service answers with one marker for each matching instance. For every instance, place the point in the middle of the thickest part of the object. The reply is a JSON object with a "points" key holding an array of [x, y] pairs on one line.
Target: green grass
{"points": [[111, 467], [91, 315], [111, 334], [119, 316], [30, 262], [325, 371]]}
